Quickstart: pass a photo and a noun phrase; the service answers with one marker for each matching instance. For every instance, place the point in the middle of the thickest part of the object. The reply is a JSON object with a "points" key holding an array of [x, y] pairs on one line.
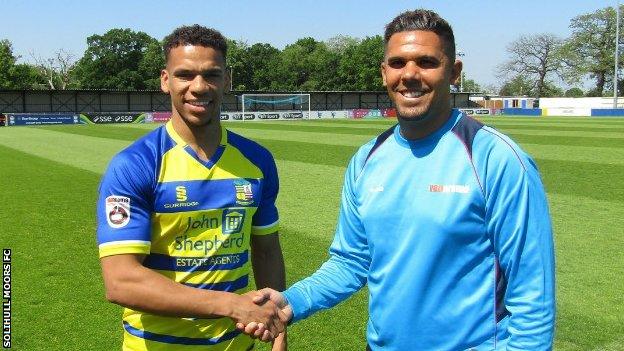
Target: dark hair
{"points": [[426, 20], [195, 35]]}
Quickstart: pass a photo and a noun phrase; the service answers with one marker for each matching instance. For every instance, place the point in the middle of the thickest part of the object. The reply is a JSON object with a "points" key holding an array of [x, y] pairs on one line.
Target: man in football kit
{"points": [[444, 218], [186, 212]]}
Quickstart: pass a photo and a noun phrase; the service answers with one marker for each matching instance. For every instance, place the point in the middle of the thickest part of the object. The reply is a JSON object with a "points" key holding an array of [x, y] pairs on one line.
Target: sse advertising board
{"points": [[111, 117]]}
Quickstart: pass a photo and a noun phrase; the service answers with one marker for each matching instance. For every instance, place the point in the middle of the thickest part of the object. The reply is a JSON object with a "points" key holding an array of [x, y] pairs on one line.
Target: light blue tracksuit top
{"points": [[452, 234]]}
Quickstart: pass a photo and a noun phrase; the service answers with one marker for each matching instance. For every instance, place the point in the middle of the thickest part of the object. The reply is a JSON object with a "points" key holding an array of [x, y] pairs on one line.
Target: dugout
{"points": [[58, 101]]}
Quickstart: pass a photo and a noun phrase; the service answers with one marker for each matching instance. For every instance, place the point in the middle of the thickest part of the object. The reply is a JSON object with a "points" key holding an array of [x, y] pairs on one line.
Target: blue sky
{"points": [[483, 28]]}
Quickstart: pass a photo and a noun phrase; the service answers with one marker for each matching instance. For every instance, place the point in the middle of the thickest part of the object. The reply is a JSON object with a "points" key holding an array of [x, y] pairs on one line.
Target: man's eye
{"points": [[428, 63], [185, 76], [396, 64], [208, 76]]}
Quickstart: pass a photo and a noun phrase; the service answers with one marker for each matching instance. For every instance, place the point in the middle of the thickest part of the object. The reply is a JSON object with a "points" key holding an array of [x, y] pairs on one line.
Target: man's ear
{"points": [[228, 80], [456, 72], [164, 81], [383, 73]]}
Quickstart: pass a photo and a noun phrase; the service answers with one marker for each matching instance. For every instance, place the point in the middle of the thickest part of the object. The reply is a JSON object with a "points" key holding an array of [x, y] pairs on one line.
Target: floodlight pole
{"points": [[231, 78], [461, 74], [617, 51], [461, 82]]}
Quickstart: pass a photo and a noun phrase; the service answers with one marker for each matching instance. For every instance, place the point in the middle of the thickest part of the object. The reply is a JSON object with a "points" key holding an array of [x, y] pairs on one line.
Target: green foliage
{"points": [[304, 65], [519, 85], [470, 85], [125, 59], [7, 61], [25, 76], [151, 64], [341, 63], [262, 58], [590, 50], [14, 75], [360, 65], [238, 64], [551, 90], [535, 57], [574, 92], [252, 65], [340, 43], [113, 60]]}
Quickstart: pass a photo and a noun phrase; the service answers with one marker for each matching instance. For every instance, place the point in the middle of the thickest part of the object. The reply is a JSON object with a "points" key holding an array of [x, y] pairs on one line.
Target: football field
{"points": [[48, 188]]}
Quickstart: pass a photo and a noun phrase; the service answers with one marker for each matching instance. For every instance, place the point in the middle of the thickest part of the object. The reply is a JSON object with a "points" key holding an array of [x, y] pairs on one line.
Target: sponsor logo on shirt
{"points": [[117, 211], [181, 193], [205, 222], [208, 261], [449, 188], [206, 245], [181, 197], [377, 189], [244, 194], [233, 220]]}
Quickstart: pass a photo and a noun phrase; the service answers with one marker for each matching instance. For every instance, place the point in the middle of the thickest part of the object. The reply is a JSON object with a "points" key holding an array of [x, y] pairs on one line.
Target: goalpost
{"points": [[276, 106]]}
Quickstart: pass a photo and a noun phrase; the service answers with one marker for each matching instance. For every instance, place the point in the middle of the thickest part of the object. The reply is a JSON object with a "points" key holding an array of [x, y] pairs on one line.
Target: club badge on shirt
{"points": [[244, 194], [117, 211]]}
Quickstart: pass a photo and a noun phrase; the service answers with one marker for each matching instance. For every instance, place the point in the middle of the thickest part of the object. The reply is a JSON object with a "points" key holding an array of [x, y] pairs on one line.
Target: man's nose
{"points": [[410, 71], [199, 84]]}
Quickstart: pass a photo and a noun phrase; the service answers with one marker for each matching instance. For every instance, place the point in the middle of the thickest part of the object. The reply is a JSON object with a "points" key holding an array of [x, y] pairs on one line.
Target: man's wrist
{"points": [[225, 306]]}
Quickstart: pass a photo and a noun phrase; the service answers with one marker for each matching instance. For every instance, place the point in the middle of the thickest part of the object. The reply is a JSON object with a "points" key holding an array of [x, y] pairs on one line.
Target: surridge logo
{"points": [[181, 193], [181, 198], [244, 193]]}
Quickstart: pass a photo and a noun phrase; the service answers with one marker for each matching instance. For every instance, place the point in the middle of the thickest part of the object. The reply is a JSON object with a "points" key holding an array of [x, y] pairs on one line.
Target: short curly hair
{"points": [[425, 20], [195, 35]]}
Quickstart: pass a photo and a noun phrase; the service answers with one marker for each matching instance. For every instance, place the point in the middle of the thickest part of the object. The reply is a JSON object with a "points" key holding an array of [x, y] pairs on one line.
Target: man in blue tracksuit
{"points": [[444, 218]]}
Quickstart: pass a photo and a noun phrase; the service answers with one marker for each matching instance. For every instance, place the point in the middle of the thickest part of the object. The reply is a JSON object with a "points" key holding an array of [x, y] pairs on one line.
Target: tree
{"points": [[551, 90], [237, 62], [518, 86], [151, 64], [574, 92], [590, 50], [261, 57], [14, 75], [56, 70], [305, 65], [535, 56], [252, 65], [469, 85], [112, 60], [490, 89], [7, 61], [359, 66], [340, 43]]}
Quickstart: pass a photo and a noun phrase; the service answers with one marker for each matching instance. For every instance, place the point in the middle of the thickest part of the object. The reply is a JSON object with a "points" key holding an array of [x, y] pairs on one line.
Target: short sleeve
{"points": [[124, 208], [266, 219]]}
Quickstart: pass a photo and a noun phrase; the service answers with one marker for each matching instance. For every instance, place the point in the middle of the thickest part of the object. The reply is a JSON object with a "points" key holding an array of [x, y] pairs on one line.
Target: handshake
{"points": [[263, 314]]}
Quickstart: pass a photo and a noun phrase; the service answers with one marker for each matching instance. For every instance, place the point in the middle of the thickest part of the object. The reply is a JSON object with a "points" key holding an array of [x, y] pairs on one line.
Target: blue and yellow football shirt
{"points": [[193, 219]]}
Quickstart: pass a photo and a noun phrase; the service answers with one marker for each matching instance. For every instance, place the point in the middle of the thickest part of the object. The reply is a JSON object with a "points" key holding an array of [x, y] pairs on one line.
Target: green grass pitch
{"points": [[48, 187]]}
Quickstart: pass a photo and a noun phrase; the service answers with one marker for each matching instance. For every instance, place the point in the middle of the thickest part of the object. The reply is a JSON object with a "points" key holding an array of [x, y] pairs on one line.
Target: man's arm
{"points": [[519, 225], [269, 272], [338, 278], [128, 283], [268, 262]]}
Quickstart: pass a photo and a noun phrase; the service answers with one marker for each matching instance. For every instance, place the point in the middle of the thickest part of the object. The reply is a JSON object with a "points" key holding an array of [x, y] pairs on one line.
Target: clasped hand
{"points": [[266, 325]]}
